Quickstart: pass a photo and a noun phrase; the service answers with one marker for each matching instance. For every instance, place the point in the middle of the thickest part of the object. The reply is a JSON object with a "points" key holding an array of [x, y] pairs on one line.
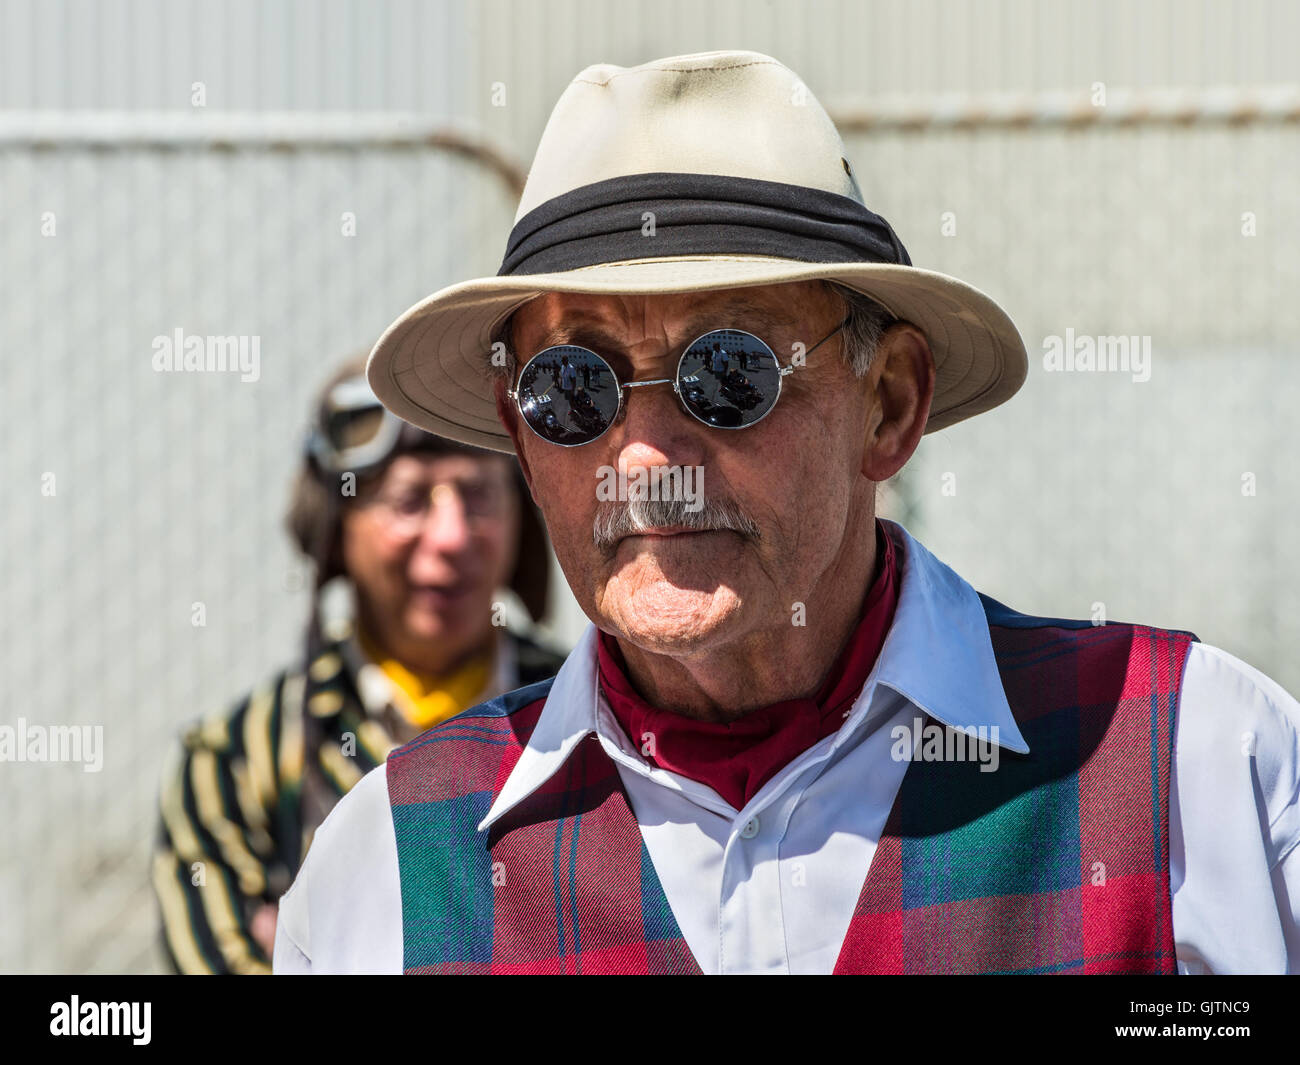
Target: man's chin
{"points": [[676, 549], [678, 621]]}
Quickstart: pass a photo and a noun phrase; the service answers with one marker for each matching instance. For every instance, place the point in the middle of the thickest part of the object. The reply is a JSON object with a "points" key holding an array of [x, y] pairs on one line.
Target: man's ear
{"points": [[900, 390], [508, 415]]}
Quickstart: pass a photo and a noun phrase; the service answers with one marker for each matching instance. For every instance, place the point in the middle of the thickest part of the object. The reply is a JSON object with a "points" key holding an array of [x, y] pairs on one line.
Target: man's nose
{"points": [[653, 429]]}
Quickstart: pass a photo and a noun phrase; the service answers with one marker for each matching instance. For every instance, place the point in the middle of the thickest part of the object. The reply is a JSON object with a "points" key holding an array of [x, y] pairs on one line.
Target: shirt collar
{"points": [[568, 716], [938, 655]]}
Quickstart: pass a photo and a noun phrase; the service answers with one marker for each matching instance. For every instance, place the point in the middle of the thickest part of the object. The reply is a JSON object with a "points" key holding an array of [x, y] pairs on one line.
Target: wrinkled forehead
{"points": [[554, 316]]}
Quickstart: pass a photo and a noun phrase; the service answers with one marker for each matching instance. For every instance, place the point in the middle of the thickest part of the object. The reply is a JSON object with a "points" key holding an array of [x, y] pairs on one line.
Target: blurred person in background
{"points": [[424, 532]]}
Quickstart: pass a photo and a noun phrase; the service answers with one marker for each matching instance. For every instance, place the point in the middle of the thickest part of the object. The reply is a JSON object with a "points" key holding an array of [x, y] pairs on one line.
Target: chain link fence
{"points": [[146, 577], [1165, 493]]}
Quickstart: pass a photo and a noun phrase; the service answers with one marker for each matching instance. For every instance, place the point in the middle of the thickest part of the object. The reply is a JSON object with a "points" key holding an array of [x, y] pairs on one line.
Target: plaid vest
{"points": [[1058, 862]]}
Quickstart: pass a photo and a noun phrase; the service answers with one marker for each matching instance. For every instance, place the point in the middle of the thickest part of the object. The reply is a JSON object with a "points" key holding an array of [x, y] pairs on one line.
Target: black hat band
{"points": [[648, 216]]}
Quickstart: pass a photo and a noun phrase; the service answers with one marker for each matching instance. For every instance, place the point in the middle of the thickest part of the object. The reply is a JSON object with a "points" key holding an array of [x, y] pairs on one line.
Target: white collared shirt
{"points": [[770, 888]]}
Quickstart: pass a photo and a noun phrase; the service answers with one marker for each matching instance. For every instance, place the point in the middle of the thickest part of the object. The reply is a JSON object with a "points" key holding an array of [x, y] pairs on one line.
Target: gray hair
{"points": [[867, 322]]}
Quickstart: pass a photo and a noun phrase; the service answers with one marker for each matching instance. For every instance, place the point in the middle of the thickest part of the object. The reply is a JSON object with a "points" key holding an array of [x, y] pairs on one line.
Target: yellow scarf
{"points": [[424, 700]]}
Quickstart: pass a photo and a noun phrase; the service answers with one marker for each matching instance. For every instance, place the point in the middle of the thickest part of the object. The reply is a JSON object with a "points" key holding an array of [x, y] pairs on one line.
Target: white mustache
{"points": [[617, 520]]}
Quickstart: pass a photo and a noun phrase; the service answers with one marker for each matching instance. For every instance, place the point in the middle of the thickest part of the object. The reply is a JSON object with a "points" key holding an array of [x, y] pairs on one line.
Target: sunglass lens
{"points": [[568, 395], [729, 379]]}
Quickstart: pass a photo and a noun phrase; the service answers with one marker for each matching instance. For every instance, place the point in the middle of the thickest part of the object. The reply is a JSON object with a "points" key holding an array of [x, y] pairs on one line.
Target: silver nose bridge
{"points": [[781, 371], [645, 384], [623, 386]]}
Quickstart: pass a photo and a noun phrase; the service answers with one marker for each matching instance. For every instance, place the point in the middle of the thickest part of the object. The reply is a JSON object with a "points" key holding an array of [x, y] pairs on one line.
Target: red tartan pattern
{"points": [[1057, 862], [1061, 864]]}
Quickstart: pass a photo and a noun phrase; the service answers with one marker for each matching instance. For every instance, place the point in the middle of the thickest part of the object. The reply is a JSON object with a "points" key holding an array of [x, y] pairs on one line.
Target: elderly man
{"points": [[792, 740]]}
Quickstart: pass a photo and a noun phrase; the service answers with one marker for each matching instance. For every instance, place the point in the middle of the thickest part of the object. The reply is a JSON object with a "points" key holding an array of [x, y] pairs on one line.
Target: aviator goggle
{"points": [[727, 378]]}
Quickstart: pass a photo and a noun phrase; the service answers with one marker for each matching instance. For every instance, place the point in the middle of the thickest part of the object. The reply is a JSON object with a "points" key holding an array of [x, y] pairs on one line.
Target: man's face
{"points": [[797, 474], [427, 544]]}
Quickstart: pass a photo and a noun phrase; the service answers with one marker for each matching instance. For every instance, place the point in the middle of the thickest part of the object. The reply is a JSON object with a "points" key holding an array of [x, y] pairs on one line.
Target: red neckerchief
{"points": [[738, 757]]}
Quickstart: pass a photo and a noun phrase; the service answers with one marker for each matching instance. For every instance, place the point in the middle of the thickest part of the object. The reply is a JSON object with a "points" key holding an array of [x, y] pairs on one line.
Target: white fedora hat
{"points": [[746, 179]]}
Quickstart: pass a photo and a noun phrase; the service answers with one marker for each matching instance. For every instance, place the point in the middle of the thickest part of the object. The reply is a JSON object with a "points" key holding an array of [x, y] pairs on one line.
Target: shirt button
{"points": [[751, 829]]}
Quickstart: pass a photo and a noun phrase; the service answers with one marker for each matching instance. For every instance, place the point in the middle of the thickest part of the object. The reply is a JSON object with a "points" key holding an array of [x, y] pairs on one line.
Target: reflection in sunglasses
{"points": [[727, 379]]}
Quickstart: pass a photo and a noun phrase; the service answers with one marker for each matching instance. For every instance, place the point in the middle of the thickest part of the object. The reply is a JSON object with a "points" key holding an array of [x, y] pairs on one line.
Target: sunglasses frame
{"points": [[621, 386]]}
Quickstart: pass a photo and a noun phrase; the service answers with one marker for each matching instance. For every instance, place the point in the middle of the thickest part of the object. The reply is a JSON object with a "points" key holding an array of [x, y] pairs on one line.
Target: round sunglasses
{"points": [[726, 378]]}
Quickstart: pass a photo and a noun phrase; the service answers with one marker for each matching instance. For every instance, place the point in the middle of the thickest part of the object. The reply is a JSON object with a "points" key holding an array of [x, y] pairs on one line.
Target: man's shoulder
{"points": [[1001, 616], [1245, 710], [1238, 747], [1094, 667], [450, 775], [1231, 674], [1224, 703]]}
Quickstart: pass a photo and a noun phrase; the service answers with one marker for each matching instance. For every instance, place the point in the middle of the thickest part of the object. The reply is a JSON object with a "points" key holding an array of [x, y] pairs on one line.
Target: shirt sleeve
{"points": [[292, 936], [343, 913], [1234, 821]]}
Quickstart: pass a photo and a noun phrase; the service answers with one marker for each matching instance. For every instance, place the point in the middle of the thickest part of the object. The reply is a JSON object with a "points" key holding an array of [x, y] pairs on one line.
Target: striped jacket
{"points": [[251, 785]]}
